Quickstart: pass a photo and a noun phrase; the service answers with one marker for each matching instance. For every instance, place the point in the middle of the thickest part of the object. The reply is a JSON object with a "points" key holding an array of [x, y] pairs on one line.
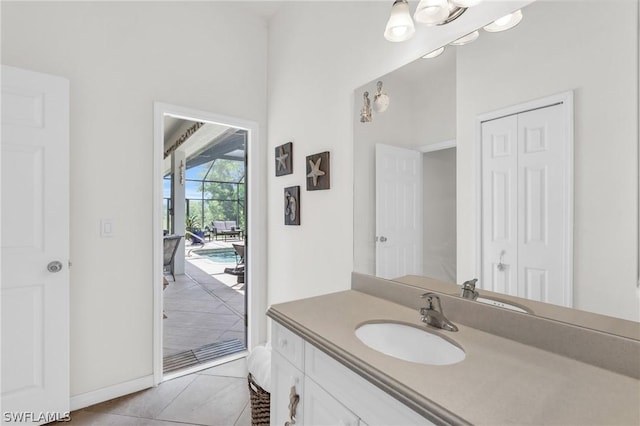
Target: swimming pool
{"points": [[218, 255]]}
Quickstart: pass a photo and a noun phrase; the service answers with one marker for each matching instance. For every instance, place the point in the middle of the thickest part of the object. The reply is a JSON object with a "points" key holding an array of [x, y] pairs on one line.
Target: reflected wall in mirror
{"points": [[558, 47]]}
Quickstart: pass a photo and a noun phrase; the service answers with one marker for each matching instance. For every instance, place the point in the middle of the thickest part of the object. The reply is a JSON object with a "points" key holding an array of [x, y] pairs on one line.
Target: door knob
{"points": [[383, 239], [54, 266]]}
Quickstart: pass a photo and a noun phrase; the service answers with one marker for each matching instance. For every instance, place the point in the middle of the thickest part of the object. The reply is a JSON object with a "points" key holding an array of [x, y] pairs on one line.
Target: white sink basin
{"points": [[409, 343], [502, 304]]}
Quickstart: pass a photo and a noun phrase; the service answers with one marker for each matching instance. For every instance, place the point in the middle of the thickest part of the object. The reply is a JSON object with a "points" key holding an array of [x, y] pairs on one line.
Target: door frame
{"points": [[566, 100], [256, 203]]}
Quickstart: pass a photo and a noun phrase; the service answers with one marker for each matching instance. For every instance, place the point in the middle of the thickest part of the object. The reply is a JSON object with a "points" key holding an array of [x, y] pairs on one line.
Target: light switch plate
{"points": [[107, 228]]}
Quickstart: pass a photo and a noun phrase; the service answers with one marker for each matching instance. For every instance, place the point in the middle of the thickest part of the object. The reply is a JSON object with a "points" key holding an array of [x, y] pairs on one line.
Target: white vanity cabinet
{"points": [[329, 393], [287, 377], [320, 408]]}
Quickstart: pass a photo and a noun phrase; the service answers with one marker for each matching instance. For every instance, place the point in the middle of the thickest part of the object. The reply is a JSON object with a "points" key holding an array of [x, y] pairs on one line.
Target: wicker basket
{"points": [[260, 404]]}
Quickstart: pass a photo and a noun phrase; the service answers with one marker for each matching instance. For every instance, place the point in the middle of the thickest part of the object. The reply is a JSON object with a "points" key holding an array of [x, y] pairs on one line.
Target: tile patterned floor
{"points": [[218, 396], [202, 307]]}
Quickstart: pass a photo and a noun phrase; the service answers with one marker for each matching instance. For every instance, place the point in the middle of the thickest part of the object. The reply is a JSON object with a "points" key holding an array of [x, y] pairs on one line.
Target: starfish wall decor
{"points": [[284, 159], [318, 171]]}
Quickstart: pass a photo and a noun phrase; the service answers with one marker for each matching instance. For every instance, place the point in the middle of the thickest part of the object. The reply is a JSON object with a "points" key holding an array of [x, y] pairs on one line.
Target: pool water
{"points": [[219, 255]]}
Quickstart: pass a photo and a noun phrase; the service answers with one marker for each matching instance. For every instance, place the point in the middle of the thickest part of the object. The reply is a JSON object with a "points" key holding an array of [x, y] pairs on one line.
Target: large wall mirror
{"points": [[444, 117]]}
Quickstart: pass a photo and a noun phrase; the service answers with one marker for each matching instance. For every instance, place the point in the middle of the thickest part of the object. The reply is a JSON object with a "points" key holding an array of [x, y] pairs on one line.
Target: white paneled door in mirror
{"points": [[398, 211]]}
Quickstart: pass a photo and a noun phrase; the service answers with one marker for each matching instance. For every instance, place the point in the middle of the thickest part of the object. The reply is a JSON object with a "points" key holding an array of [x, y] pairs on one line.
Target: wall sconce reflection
{"points": [[380, 103], [380, 99], [365, 112]]}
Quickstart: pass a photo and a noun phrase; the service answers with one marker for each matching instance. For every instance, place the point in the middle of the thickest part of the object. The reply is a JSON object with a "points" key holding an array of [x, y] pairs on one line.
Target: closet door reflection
{"points": [[525, 226]]}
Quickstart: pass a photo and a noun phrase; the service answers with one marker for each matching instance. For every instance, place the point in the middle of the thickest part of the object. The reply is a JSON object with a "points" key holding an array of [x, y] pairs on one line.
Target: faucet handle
{"points": [[470, 285], [432, 300]]}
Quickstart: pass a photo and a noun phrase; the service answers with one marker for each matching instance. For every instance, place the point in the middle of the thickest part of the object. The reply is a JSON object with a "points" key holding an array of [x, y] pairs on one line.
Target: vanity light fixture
{"points": [[466, 3], [466, 39], [434, 54], [432, 12], [506, 22], [400, 26]]}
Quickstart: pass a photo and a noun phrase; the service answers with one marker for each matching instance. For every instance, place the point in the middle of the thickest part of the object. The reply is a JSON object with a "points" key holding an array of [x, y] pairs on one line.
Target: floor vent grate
{"points": [[203, 354]]}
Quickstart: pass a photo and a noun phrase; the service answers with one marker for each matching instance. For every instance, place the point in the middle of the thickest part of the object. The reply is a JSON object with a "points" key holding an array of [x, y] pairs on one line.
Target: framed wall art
{"points": [[292, 205], [284, 159], [318, 171]]}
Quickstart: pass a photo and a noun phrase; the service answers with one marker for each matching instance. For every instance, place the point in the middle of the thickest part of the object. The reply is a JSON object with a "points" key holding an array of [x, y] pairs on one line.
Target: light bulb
{"points": [[400, 25], [506, 22], [434, 54], [466, 39], [431, 12], [466, 3], [398, 31]]}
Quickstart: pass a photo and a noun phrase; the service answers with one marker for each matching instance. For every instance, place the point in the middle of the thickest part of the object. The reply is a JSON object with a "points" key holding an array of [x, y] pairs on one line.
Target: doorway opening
{"points": [[439, 211], [201, 309]]}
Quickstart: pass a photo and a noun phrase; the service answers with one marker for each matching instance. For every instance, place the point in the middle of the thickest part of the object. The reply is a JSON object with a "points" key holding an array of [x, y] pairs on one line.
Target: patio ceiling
{"points": [[209, 142]]}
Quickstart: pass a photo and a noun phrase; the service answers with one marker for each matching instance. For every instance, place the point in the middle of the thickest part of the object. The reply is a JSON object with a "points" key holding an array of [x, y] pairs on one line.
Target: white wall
{"points": [[319, 52], [440, 215], [120, 57], [597, 58]]}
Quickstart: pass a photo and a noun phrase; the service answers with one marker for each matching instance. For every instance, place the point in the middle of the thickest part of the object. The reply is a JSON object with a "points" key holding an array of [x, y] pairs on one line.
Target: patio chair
{"points": [[239, 248], [171, 243], [238, 270]]}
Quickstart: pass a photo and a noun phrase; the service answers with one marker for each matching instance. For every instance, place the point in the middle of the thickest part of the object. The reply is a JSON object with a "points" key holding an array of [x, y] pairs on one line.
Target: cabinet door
{"points": [[286, 382], [321, 409], [372, 405]]}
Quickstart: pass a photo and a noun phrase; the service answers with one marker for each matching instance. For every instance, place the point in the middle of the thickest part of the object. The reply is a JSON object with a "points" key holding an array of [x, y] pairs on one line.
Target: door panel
{"points": [[542, 195], [35, 232], [499, 198]]}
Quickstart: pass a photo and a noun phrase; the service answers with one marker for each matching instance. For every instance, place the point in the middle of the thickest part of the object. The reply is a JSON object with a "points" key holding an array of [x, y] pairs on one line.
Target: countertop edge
{"points": [[418, 403]]}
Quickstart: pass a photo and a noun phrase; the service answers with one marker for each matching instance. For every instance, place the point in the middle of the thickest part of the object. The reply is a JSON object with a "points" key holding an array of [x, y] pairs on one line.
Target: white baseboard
{"points": [[97, 396]]}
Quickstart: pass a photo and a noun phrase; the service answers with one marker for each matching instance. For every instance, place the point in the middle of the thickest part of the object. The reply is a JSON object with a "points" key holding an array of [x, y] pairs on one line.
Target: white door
{"points": [[526, 226], [35, 235], [398, 212]]}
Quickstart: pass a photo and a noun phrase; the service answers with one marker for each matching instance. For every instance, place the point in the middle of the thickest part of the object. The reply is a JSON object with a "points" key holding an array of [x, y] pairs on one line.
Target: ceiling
{"points": [[210, 141], [262, 9]]}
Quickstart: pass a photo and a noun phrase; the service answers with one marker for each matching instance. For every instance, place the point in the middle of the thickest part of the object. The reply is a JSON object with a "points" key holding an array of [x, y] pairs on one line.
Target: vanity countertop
{"points": [[500, 381]]}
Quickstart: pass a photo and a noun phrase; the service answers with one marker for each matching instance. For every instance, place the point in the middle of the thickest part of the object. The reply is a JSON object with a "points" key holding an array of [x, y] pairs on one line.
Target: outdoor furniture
{"points": [[170, 246], [238, 270], [226, 228]]}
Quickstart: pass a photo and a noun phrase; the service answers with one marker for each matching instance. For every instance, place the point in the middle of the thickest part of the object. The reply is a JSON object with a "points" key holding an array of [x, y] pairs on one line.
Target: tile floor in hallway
{"points": [[217, 396]]}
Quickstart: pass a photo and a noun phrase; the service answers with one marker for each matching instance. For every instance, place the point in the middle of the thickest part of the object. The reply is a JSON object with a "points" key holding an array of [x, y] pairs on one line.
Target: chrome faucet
{"points": [[432, 313], [469, 289]]}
